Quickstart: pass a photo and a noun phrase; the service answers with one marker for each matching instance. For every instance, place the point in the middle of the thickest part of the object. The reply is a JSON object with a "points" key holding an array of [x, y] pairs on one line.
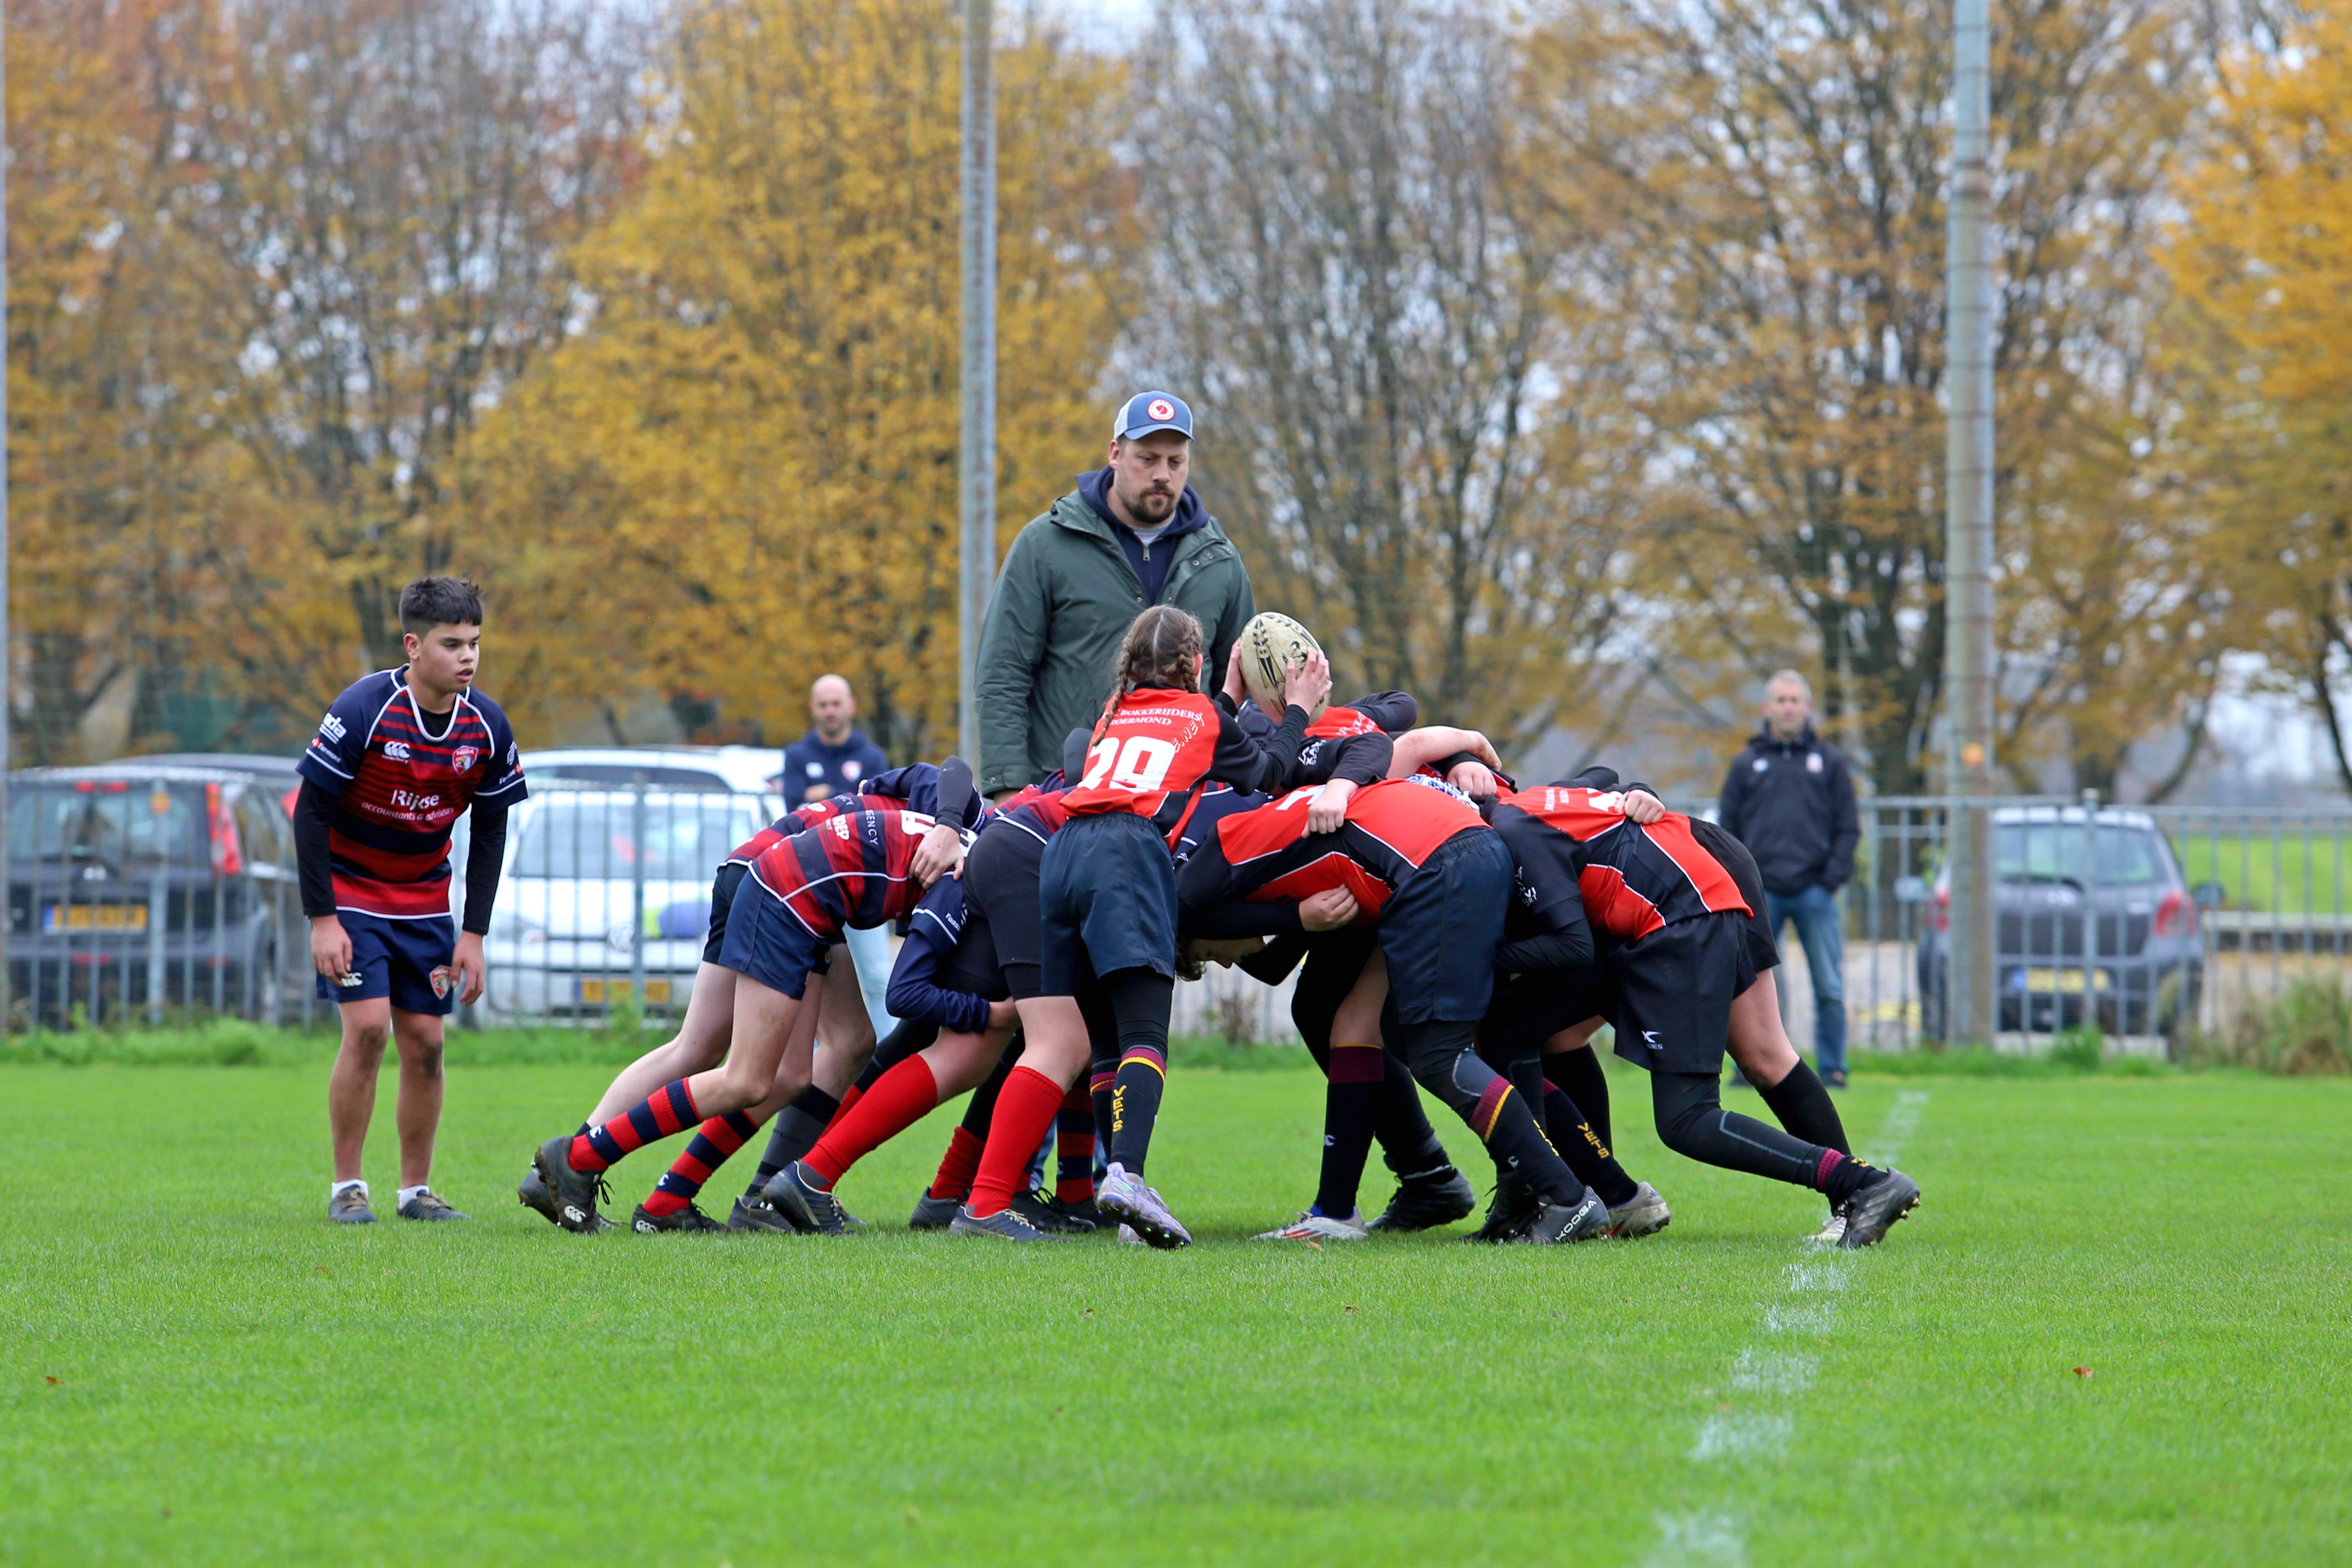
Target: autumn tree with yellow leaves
{"points": [[2264, 257], [741, 470]]}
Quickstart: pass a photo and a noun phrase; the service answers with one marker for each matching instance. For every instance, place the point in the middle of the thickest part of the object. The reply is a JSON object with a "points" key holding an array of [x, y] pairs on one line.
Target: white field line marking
{"points": [[1718, 1537]]}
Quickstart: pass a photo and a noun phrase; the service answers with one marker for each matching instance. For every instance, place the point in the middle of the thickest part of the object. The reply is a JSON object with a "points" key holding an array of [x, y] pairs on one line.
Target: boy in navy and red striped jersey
{"points": [[398, 756]]}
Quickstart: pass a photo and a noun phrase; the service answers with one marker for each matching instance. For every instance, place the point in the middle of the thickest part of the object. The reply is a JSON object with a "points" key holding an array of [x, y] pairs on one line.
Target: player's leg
{"points": [[1526, 1013], [951, 1184], [671, 1206], [1439, 932], [417, 1035], [701, 1038], [1354, 1078], [802, 1191], [350, 1097], [773, 955], [1789, 1088], [1570, 1062], [1676, 989], [1055, 1050]]}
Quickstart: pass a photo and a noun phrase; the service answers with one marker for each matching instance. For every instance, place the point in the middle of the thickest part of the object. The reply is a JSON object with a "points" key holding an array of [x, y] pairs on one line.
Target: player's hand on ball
{"points": [[941, 852], [1308, 682], [1327, 910], [1329, 806], [1475, 779], [1236, 688], [473, 972], [1644, 808]]}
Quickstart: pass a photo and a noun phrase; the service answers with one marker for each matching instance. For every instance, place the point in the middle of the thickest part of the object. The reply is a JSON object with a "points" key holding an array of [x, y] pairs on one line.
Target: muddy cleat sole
{"points": [[1872, 1210], [349, 1207], [752, 1214], [571, 1194], [1004, 1225], [690, 1221], [1643, 1214], [1125, 1198], [1319, 1227], [933, 1213], [429, 1204], [1046, 1212], [1426, 1202], [1557, 1224], [792, 1192]]}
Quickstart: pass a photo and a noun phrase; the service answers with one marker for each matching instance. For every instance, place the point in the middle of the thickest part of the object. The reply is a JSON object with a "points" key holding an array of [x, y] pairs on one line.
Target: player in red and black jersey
{"points": [[1417, 856], [399, 757], [860, 868], [1106, 887], [1676, 952]]}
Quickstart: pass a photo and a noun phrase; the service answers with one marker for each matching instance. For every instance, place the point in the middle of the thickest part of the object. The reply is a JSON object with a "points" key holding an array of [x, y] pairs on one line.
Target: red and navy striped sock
{"points": [[1074, 1148], [712, 1145], [899, 1098], [668, 1109]]}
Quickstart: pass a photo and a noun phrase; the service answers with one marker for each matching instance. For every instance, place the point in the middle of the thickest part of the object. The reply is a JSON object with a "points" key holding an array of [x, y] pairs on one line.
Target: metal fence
{"points": [[136, 899], [2146, 923]]}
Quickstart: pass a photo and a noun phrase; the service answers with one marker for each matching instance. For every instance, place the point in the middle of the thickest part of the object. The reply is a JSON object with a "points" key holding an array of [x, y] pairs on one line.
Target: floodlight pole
{"points": [[1971, 1002], [977, 464]]}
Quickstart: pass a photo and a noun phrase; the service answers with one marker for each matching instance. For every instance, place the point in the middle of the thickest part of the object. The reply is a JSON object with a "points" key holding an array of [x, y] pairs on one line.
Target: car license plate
{"points": [[2066, 981], [656, 991], [94, 917]]}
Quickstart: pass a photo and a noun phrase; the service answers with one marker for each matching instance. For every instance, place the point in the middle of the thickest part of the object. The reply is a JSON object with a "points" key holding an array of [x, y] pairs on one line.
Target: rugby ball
{"points": [[1270, 643]]}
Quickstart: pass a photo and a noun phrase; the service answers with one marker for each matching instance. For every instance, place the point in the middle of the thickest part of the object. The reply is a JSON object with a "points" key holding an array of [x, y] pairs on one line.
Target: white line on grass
{"points": [[1717, 1538]]}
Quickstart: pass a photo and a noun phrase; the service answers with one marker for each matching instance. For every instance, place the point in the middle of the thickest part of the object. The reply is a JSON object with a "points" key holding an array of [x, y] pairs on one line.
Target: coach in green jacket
{"points": [[1131, 535]]}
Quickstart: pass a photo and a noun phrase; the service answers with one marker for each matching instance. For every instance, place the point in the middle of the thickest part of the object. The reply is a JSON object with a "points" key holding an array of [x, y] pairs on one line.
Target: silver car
{"points": [[602, 888]]}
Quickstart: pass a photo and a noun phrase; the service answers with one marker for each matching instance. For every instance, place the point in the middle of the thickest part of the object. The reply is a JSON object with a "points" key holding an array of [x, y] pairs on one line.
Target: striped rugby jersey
{"points": [[401, 778], [851, 870]]}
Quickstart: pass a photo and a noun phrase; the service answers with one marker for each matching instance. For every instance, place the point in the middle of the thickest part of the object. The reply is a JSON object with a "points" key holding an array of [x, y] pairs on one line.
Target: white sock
{"points": [[340, 1188], [408, 1192]]}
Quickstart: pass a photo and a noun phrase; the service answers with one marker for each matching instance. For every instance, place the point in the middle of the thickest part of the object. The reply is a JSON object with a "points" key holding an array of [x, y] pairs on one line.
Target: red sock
{"points": [[957, 1166], [849, 1096], [899, 1098], [1024, 1109]]}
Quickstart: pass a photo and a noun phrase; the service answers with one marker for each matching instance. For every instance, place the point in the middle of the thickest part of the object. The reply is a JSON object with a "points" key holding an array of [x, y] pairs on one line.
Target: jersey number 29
{"points": [[1138, 762]]}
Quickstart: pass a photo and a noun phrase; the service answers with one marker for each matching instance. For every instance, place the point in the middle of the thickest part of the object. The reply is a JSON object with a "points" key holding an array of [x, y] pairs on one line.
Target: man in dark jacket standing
{"points": [[832, 757], [1790, 799], [1132, 535]]}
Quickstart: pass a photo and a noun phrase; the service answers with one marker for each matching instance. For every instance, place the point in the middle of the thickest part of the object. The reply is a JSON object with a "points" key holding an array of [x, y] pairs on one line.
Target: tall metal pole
{"points": [[8, 694], [978, 457], [1971, 1015]]}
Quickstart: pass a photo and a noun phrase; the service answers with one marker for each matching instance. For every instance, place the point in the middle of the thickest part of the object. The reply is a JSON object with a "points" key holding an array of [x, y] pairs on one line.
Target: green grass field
{"points": [[194, 1367], [2296, 872]]}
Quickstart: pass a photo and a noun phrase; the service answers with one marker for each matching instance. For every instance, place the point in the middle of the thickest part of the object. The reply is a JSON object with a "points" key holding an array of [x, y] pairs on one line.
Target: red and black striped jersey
{"points": [[1161, 743], [1631, 879], [401, 778], [849, 871], [1268, 856]]}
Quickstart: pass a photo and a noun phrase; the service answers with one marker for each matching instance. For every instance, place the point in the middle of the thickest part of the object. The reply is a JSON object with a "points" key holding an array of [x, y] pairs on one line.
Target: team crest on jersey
{"points": [[442, 980], [396, 749], [462, 759], [1309, 752]]}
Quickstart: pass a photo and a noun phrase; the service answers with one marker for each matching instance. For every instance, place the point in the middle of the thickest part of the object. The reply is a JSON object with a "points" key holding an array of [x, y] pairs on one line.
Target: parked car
{"points": [[151, 879], [750, 769], [592, 875], [2094, 924]]}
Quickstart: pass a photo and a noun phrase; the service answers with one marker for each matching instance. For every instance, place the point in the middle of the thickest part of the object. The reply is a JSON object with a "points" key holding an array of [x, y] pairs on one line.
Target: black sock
{"points": [[1572, 1134], [1582, 1079], [1409, 1144], [1443, 1059], [798, 1127], [980, 1109], [1693, 1123], [1805, 1108], [1350, 1097], [1139, 1001], [901, 1043]]}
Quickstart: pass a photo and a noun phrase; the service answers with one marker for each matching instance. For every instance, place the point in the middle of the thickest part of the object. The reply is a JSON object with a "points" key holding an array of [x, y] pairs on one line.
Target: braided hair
{"points": [[1157, 651]]}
